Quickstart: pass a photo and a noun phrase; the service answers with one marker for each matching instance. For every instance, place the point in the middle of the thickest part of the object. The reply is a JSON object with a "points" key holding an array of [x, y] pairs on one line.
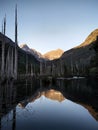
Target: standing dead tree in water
{"points": [[16, 46], [41, 68], [11, 63], [9, 60], [31, 70], [3, 48], [26, 64], [12, 58]]}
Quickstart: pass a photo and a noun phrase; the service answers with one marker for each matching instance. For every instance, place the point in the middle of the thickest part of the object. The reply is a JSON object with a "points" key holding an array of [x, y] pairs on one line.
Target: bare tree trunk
{"points": [[71, 67], [31, 70], [40, 68], [8, 63], [3, 48], [12, 67], [16, 46], [3, 59], [77, 68], [26, 64], [61, 67], [15, 63]]}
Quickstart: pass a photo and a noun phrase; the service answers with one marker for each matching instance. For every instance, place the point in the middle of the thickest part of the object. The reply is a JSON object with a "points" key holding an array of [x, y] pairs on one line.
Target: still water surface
{"points": [[60, 105]]}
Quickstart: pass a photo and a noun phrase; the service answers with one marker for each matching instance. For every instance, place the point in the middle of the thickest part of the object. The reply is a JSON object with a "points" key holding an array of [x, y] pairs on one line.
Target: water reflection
{"points": [[49, 104], [50, 94]]}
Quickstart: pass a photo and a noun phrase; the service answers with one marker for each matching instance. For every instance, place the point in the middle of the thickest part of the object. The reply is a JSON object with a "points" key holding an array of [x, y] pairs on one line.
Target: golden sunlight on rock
{"points": [[54, 54]]}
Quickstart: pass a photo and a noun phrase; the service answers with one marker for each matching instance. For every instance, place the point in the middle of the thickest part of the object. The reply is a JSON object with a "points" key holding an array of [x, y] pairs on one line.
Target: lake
{"points": [[38, 104]]}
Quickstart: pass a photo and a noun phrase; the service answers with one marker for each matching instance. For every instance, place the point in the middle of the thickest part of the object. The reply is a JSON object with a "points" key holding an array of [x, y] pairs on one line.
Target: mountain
{"points": [[78, 61], [37, 54], [49, 94], [10, 52], [54, 54], [83, 48], [81, 59], [91, 38]]}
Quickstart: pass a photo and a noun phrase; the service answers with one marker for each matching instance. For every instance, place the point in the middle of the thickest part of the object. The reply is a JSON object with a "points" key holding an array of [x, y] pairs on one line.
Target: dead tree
{"points": [[3, 48], [31, 70], [41, 68], [26, 64], [7, 67], [16, 46], [12, 65]]}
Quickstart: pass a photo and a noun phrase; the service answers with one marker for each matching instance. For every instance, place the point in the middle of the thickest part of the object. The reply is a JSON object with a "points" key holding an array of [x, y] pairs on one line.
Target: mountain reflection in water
{"points": [[50, 94], [40, 105]]}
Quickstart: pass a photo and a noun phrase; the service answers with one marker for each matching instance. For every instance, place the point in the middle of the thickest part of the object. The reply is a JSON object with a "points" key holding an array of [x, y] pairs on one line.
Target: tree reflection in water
{"points": [[83, 92]]}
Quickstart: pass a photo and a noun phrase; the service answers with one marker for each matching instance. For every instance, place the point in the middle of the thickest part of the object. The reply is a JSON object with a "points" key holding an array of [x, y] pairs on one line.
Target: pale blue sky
{"points": [[50, 24]]}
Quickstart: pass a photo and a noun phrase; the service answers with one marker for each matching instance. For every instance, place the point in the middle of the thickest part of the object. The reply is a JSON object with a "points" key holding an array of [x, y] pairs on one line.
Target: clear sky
{"points": [[50, 24]]}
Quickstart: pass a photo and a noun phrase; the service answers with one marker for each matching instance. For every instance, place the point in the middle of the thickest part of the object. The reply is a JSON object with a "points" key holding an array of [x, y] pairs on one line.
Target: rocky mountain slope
{"points": [[37, 54], [83, 50], [78, 61], [81, 58], [25, 61], [54, 54], [91, 38]]}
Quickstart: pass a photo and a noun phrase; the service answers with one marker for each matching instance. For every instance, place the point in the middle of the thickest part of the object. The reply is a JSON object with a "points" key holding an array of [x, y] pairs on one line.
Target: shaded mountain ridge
{"points": [[78, 61], [35, 53], [51, 55]]}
